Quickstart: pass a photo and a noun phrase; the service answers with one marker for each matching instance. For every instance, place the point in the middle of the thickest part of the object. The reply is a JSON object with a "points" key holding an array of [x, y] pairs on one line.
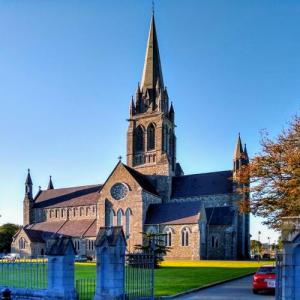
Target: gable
{"points": [[135, 181]]}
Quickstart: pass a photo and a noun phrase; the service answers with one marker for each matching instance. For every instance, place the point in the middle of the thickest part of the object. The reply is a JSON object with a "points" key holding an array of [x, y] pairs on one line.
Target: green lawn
{"points": [[178, 276]]}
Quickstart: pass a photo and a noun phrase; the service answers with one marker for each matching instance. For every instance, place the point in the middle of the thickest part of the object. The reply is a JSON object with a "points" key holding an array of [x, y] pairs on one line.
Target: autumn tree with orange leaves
{"points": [[274, 176]]}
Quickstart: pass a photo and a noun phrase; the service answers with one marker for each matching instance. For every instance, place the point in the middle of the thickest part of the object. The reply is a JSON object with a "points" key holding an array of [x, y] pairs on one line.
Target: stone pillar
{"points": [[290, 281], [110, 256], [61, 256]]}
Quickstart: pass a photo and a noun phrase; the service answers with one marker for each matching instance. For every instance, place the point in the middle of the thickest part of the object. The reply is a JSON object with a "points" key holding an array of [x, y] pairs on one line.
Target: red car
{"points": [[264, 279]]}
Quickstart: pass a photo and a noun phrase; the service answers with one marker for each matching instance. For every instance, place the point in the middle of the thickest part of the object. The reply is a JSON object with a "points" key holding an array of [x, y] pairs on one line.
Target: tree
{"points": [[256, 247], [154, 243], [7, 231], [274, 176]]}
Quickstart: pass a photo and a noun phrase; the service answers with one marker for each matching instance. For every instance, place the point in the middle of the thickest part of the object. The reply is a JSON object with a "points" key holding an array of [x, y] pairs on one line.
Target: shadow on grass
{"points": [[173, 280]]}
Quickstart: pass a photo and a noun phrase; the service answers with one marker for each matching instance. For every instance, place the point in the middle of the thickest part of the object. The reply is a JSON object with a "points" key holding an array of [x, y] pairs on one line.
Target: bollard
{"points": [[6, 294]]}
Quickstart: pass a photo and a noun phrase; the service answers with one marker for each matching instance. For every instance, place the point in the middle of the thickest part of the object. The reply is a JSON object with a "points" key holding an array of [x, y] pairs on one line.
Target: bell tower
{"points": [[151, 140]]}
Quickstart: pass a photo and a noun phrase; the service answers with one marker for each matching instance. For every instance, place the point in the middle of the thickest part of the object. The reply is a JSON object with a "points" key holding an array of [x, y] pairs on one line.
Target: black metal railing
{"points": [[24, 273], [86, 288], [139, 276], [278, 290]]}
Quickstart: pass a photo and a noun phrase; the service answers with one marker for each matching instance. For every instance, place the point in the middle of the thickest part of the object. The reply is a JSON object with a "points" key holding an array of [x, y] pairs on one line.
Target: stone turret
{"points": [[28, 201]]}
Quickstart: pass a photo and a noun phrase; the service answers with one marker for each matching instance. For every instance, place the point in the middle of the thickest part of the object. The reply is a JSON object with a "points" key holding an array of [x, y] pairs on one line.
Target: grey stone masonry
{"points": [[290, 281], [61, 256], [110, 255]]}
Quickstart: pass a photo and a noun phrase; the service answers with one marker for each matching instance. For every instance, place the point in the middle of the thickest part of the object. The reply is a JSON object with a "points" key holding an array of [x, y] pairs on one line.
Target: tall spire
{"points": [[246, 157], [152, 68], [50, 184], [28, 178], [238, 151], [28, 185]]}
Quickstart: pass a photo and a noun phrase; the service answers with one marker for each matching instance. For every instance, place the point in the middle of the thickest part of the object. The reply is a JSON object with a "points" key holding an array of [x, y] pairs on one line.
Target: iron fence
{"points": [[24, 273], [278, 290], [86, 288], [139, 276]]}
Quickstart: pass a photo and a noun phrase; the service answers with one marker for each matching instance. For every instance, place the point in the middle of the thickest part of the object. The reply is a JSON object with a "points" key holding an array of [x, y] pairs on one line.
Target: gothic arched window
{"points": [[151, 137], [119, 217], [111, 217], [22, 243], [127, 224], [168, 233], [185, 236], [139, 139], [170, 146], [165, 138]]}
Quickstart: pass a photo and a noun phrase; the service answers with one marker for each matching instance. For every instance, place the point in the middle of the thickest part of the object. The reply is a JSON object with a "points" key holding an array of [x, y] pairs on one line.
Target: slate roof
{"points": [[142, 180], [176, 213], [220, 215], [39, 232], [202, 184], [34, 236], [76, 227], [173, 213], [73, 196]]}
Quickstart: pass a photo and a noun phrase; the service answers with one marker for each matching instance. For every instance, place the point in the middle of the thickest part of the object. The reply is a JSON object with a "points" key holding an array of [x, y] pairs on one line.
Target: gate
{"points": [[139, 276], [278, 290]]}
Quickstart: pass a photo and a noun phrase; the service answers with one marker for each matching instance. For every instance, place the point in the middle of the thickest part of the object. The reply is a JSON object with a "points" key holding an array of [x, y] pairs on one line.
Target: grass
{"points": [[178, 276]]}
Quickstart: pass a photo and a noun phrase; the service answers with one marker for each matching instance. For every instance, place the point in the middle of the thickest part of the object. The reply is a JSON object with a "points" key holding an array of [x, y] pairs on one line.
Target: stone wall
{"points": [[210, 200], [177, 250], [221, 242]]}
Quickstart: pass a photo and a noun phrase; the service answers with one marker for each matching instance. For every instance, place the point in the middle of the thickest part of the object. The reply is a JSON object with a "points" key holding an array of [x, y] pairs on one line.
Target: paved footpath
{"points": [[240, 289]]}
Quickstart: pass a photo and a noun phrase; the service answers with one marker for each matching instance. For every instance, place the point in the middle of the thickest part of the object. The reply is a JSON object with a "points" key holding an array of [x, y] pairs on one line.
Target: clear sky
{"points": [[69, 68]]}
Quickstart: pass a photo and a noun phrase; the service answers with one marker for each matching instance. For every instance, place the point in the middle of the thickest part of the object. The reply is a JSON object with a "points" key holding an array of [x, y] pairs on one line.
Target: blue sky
{"points": [[68, 70]]}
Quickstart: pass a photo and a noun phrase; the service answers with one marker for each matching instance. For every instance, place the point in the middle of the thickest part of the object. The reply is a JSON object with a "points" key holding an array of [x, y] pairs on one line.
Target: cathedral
{"points": [[198, 214]]}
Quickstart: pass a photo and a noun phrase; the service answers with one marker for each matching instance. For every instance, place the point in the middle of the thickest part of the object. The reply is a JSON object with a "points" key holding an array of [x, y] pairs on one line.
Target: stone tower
{"points": [[151, 140], [240, 158], [28, 201]]}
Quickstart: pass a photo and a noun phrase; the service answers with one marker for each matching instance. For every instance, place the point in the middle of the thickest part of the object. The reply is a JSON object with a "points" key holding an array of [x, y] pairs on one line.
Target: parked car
{"points": [[81, 258], [264, 279], [12, 256]]}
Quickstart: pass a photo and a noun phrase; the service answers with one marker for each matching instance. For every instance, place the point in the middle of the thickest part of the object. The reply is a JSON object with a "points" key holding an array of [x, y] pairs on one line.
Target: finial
{"points": [[40, 188], [120, 158], [28, 171]]}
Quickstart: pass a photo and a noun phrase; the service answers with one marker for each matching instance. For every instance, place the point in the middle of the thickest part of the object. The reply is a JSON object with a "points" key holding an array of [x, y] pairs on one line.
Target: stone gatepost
{"points": [[61, 256], [110, 255], [290, 281]]}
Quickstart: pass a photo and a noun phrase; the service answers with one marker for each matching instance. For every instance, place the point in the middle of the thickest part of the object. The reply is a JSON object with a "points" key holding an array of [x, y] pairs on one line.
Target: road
{"points": [[239, 289]]}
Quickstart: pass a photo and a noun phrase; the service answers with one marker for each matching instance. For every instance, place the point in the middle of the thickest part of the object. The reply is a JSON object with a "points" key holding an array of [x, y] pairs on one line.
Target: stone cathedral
{"points": [[199, 214]]}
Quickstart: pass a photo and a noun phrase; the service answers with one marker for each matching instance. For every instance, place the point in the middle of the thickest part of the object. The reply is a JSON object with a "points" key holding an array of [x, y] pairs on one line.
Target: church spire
{"points": [[152, 68], [238, 149], [28, 185], [50, 184], [246, 154]]}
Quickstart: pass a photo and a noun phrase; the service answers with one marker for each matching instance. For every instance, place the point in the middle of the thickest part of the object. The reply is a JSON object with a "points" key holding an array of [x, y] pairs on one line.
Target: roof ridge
{"points": [[214, 172], [73, 187]]}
